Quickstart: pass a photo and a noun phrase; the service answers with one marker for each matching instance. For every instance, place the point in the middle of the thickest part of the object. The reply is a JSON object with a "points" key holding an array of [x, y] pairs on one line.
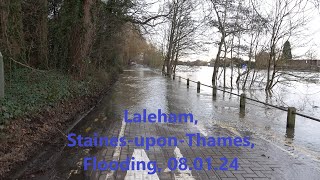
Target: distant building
{"points": [[302, 64], [262, 59]]}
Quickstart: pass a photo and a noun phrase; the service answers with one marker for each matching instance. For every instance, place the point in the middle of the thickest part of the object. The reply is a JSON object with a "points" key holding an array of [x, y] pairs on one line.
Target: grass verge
{"points": [[38, 106]]}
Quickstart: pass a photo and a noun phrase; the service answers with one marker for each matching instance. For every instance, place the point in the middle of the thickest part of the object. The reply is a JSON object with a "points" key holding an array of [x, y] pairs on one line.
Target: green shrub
{"points": [[28, 91]]}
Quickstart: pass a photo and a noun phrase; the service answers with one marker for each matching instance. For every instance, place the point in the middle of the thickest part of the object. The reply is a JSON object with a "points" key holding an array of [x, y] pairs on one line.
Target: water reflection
{"points": [[264, 121]]}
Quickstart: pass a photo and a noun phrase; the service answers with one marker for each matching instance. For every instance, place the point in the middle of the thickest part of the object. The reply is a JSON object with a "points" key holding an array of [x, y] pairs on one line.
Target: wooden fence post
{"points": [[291, 118], [290, 132], [1, 77], [198, 87], [214, 91], [242, 102], [188, 83], [179, 78]]}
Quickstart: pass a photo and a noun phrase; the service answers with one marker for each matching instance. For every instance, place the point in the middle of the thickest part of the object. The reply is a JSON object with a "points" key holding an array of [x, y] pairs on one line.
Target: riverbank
{"points": [[39, 109]]}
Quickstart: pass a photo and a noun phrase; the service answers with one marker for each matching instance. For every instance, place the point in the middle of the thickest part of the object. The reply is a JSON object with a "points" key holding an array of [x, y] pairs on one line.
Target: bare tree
{"points": [[226, 20], [221, 22], [256, 28], [286, 17], [180, 33]]}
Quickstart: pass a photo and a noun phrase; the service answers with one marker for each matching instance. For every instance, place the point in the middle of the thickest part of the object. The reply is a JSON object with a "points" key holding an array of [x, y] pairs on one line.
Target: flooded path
{"points": [[266, 122], [141, 88]]}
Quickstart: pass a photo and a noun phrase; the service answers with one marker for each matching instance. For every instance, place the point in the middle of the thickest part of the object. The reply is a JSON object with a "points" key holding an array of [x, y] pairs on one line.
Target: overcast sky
{"points": [[308, 41]]}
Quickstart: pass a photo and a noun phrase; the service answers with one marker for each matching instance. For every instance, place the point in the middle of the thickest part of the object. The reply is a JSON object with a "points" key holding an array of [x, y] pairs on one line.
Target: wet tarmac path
{"points": [[141, 88]]}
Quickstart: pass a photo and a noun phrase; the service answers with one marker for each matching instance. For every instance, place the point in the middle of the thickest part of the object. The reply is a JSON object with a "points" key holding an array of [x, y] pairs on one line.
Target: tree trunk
{"points": [[12, 42], [224, 64], [217, 61], [169, 57], [231, 62], [81, 46], [249, 65], [43, 35]]}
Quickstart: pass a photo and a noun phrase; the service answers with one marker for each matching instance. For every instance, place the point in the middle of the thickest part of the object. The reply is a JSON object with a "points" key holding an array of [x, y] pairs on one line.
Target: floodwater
{"points": [[142, 88], [266, 122]]}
